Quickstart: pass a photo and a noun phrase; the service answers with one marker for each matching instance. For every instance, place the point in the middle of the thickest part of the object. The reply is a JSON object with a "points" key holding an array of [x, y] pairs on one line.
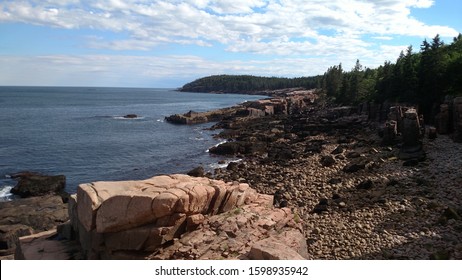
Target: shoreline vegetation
{"points": [[361, 165]]}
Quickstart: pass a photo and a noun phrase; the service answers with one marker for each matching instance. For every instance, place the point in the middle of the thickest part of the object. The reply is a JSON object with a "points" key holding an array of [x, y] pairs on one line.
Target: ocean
{"points": [[81, 133]]}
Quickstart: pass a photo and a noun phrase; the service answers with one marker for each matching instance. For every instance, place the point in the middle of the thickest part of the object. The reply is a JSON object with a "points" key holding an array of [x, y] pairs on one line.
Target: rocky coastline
{"points": [[369, 183], [315, 181], [286, 101]]}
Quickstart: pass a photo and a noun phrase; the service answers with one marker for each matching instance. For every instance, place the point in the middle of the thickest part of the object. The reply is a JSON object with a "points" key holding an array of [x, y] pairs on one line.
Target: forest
{"points": [[248, 83], [423, 78]]}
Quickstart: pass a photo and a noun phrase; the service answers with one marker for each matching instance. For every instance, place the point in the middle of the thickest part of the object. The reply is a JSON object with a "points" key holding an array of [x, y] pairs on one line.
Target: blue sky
{"points": [[144, 43]]}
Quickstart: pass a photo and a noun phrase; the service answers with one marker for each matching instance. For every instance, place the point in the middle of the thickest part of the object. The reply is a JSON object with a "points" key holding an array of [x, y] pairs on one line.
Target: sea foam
{"points": [[5, 193]]}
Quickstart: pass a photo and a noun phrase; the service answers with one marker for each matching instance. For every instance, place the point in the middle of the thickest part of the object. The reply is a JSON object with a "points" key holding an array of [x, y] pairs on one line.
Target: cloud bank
{"points": [[306, 33]]}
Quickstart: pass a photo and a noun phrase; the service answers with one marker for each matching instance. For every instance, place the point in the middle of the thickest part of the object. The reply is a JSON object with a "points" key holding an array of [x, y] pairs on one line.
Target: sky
{"points": [[165, 44]]}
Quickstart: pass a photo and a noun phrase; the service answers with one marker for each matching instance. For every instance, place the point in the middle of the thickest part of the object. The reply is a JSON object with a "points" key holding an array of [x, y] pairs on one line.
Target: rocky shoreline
{"points": [[314, 182], [358, 198], [285, 101]]}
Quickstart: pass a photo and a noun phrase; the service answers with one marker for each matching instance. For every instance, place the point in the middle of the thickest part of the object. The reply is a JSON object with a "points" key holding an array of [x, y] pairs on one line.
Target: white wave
{"points": [[223, 165], [124, 118], [161, 120], [5, 193], [222, 142]]}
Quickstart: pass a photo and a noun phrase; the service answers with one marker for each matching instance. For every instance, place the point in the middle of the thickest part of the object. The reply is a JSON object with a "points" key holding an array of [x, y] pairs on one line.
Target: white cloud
{"points": [[317, 31], [236, 19], [235, 6]]}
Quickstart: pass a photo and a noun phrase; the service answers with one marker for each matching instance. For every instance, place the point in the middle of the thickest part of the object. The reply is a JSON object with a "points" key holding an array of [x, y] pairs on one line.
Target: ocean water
{"points": [[81, 133]]}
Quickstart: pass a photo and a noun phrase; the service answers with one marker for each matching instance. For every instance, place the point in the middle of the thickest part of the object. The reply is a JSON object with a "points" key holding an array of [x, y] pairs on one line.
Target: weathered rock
{"points": [[233, 234], [148, 237], [320, 208], [46, 246], [197, 172], [228, 148], [233, 166], [412, 146], [291, 102], [443, 119], [9, 235], [314, 147], [458, 119], [192, 117], [335, 181], [451, 213], [27, 216], [411, 130], [432, 133], [327, 161], [118, 225], [390, 131], [194, 221], [338, 150], [279, 249], [354, 167], [353, 154], [365, 185], [32, 184], [279, 198], [143, 215]]}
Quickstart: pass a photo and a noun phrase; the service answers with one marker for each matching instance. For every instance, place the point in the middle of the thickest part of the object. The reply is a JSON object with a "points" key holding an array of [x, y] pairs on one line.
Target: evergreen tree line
{"points": [[248, 83], [422, 78]]}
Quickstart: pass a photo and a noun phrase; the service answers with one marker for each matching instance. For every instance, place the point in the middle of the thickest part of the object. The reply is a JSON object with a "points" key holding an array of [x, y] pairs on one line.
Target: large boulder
{"points": [[197, 172], [169, 217], [412, 148], [443, 119], [228, 148], [390, 131], [411, 129], [143, 215], [33, 184]]}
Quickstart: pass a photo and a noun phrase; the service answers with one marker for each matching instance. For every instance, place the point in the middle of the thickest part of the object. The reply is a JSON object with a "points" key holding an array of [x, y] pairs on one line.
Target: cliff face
{"points": [[174, 216]]}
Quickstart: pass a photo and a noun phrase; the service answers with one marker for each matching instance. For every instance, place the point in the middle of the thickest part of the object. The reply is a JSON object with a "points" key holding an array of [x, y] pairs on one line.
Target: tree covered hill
{"points": [[248, 84]]}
